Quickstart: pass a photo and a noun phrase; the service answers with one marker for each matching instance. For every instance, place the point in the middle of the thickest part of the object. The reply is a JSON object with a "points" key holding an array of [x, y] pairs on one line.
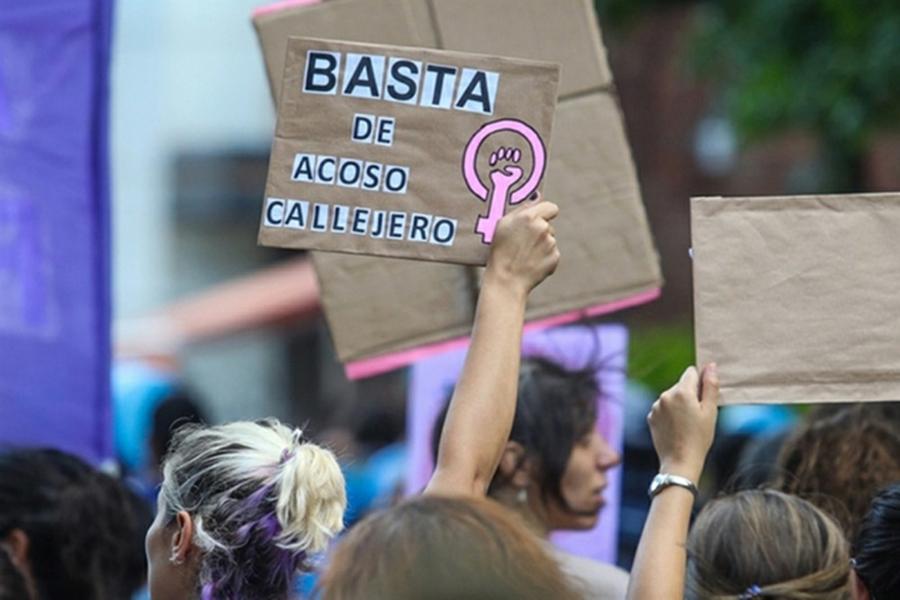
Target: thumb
{"points": [[709, 387]]}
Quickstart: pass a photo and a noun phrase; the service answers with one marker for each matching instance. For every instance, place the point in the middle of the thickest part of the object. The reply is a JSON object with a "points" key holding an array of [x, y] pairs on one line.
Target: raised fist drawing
{"points": [[505, 176]]}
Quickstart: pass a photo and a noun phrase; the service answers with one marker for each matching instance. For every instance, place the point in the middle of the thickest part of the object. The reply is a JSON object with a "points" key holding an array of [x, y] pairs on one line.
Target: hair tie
{"points": [[754, 591], [288, 453], [297, 437]]}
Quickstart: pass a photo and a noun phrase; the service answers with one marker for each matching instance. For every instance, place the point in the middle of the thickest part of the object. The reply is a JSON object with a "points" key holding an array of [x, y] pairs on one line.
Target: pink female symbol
{"points": [[502, 178]]}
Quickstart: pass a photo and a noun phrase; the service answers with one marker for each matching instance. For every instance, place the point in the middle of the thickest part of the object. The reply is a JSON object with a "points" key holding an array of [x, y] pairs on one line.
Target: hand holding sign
{"points": [[524, 252]]}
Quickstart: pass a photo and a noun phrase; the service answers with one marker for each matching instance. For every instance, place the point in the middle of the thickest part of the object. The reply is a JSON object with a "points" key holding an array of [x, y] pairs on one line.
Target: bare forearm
{"points": [[682, 425], [659, 566], [483, 404]]}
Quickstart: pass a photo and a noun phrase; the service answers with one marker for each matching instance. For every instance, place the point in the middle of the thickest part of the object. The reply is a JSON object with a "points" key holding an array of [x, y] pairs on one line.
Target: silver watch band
{"points": [[664, 480]]}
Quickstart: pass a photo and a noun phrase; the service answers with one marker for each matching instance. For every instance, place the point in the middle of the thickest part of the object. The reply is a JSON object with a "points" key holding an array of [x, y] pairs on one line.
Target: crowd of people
{"points": [[243, 508]]}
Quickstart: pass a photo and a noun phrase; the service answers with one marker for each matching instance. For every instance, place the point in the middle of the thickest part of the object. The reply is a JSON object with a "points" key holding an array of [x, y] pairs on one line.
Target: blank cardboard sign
{"points": [[797, 299]]}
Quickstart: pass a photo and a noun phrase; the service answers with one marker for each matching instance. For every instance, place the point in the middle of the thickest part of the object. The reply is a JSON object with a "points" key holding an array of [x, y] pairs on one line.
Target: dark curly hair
{"points": [[12, 583], [555, 407], [840, 459], [877, 546], [85, 529]]}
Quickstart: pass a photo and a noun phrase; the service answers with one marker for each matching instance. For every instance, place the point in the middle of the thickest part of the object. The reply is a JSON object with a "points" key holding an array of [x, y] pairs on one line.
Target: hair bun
{"points": [[311, 497]]}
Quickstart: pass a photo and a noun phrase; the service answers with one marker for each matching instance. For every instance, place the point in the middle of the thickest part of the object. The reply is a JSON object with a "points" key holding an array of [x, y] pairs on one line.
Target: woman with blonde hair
{"points": [[753, 544], [244, 505]]}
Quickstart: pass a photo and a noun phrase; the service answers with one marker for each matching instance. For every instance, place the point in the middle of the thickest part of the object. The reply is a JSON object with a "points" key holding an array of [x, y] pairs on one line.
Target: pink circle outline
{"points": [[470, 174]]}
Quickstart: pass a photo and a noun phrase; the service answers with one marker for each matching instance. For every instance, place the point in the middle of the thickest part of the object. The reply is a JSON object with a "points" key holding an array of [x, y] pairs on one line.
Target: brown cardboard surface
{"points": [[562, 31], [596, 185], [423, 18], [607, 251], [375, 305], [797, 299], [427, 149], [372, 21], [405, 310]]}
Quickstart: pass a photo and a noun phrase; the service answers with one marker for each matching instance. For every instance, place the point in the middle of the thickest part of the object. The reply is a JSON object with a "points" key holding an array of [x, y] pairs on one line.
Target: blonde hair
{"points": [[261, 499], [766, 544]]}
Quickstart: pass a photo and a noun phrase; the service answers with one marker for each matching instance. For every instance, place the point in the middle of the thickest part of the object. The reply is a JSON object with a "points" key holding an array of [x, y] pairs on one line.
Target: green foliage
{"points": [[617, 13], [658, 354], [831, 67]]}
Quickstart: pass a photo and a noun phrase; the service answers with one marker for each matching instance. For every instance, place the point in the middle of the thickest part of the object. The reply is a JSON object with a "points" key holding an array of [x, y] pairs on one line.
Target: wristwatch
{"points": [[664, 480]]}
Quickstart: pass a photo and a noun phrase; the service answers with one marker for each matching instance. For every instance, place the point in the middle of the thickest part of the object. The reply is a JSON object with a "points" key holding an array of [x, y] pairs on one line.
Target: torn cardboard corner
{"points": [[608, 258], [797, 299]]}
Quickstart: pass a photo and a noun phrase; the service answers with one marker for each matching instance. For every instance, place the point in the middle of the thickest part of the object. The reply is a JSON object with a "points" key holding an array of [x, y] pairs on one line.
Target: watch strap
{"points": [[664, 480]]}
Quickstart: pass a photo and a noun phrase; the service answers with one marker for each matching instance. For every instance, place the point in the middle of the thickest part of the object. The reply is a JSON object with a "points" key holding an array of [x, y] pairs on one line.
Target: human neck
{"points": [[529, 511]]}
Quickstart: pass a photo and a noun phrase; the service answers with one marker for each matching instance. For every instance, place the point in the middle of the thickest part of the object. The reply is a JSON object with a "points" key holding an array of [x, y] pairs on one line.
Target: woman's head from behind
{"points": [[766, 543], [840, 460], [555, 462], [877, 548], [240, 508], [443, 549], [69, 530]]}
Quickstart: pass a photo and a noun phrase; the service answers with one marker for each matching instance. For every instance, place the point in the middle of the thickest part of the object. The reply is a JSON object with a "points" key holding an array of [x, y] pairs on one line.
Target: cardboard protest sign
{"points": [[414, 308], [797, 299], [403, 152]]}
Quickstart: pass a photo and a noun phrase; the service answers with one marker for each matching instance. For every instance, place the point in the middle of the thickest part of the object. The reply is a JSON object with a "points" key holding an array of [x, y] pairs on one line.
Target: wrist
{"points": [[687, 469], [505, 282]]}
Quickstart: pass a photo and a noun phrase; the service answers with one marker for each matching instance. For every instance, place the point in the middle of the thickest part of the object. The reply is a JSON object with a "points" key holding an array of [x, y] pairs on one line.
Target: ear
{"points": [[17, 544], [858, 587], [183, 536], [514, 465]]}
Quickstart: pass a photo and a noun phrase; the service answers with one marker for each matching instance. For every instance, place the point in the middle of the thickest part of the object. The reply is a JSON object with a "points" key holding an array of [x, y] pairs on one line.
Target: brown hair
{"points": [[840, 459], [443, 549], [768, 543]]}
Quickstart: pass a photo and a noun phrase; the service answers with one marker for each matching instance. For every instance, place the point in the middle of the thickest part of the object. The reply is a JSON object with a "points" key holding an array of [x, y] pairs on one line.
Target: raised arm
{"points": [[682, 423], [481, 410]]}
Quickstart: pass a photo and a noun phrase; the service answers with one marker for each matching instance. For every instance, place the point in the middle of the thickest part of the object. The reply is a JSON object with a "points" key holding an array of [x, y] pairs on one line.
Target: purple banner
{"points": [[607, 345], [54, 238]]}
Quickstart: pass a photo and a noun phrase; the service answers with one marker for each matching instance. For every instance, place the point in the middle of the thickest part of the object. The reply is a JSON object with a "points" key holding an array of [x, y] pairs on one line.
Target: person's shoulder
{"points": [[599, 580]]}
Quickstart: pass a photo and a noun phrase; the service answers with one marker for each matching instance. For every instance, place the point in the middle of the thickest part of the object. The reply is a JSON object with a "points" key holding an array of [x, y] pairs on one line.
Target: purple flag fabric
{"points": [[432, 379], [54, 238]]}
